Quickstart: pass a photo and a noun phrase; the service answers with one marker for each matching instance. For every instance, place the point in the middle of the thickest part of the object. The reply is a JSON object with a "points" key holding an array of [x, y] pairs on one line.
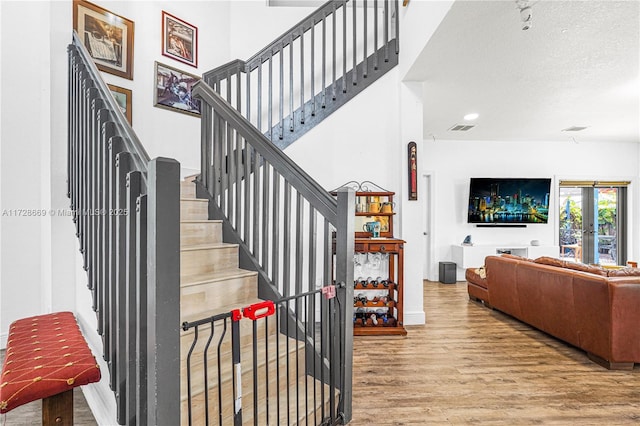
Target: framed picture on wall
{"points": [[173, 90], [412, 162], [179, 40], [123, 99], [107, 36]]}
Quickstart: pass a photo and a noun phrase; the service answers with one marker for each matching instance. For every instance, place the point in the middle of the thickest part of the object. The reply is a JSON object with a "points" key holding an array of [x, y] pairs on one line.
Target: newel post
{"points": [[345, 234], [163, 292]]}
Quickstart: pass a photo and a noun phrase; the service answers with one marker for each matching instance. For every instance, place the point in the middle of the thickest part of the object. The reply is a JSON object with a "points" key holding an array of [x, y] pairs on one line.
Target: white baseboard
{"points": [[3, 340], [414, 318], [101, 401], [99, 395]]}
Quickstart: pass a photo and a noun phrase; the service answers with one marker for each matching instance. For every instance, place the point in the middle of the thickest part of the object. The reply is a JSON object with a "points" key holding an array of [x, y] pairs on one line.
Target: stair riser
{"points": [[187, 189], [200, 233], [194, 210], [209, 260], [205, 300]]}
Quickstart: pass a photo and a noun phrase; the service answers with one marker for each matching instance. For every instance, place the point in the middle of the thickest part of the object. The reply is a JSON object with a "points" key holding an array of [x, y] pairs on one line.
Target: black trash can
{"points": [[447, 273]]}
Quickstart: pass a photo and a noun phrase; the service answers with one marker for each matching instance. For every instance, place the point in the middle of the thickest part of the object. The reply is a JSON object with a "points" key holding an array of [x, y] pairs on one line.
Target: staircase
{"points": [[263, 294], [212, 284], [312, 69]]}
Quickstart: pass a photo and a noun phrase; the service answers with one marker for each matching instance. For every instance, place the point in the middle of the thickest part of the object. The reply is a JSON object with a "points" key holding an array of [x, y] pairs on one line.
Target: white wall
{"points": [[35, 274], [40, 266], [254, 25], [167, 133], [39, 253], [454, 162], [367, 140], [418, 21]]}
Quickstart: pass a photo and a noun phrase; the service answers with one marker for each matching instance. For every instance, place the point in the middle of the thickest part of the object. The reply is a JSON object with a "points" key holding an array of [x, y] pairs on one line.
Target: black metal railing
{"points": [[238, 374], [288, 228], [126, 212], [313, 68]]}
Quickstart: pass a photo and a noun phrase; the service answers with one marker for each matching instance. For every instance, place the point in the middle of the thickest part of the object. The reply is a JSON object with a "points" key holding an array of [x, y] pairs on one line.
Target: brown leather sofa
{"points": [[589, 307]]}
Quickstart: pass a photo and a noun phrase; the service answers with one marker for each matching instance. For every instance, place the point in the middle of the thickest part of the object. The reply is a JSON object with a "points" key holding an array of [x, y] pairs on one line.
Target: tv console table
{"points": [[473, 256]]}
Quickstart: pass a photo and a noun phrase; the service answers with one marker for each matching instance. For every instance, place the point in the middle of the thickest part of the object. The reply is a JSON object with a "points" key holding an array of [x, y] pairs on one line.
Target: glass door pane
{"points": [[606, 231], [571, 223], [592, 224]]}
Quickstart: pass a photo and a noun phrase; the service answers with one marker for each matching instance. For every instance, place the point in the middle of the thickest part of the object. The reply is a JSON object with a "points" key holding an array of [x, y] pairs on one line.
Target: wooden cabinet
{"points": [[378, 265], [378, 301]]}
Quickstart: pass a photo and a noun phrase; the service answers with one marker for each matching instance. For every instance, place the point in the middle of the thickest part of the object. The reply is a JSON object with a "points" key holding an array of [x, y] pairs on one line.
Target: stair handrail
{"points": [[126, 210], [246, 170], [295, 31], [314, 89], [283, 40], [140, 155], [301, 181]]}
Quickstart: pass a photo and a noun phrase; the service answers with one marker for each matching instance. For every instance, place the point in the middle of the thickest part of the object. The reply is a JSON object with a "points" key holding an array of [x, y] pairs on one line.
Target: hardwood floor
{"points": [[472, 365], [467, 365]]}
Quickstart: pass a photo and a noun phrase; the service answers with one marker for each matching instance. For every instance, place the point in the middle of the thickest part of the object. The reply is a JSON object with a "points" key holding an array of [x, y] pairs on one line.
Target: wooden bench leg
{"points": [[57, 410]]}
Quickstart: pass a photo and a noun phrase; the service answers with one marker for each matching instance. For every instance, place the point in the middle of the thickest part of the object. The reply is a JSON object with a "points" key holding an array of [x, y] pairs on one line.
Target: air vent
{"points": [[462, 127], [574, 128]]}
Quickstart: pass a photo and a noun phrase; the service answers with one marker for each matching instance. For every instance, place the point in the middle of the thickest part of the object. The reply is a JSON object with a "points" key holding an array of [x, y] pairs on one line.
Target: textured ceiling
{"points": [[577, 65]]}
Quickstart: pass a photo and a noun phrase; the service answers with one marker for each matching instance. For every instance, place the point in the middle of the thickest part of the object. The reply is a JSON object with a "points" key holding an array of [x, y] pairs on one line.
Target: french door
{"points": [[592, 222]]}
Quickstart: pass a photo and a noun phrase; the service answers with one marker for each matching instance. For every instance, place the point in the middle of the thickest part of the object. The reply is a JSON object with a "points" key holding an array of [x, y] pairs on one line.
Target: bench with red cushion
{"points": [[46, 358]]}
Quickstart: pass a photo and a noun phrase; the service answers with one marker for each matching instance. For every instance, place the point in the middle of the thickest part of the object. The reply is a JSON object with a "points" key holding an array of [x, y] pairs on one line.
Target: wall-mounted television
{"points": [[509, 201]]}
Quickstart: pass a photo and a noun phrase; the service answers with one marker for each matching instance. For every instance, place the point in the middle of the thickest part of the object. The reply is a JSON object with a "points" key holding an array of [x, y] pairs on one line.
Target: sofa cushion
{"points": [[597, 270], [624, 272], [515, 257], [551, 261]]}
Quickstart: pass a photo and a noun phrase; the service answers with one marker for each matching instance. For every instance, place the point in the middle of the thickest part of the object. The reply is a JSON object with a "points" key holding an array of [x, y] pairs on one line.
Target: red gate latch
{"points": [[259, 310]]}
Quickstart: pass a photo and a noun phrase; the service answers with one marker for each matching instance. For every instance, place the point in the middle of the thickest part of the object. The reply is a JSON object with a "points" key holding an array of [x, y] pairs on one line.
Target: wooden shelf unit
{"points": [[364, 199], [386, 243], [394, 307]]}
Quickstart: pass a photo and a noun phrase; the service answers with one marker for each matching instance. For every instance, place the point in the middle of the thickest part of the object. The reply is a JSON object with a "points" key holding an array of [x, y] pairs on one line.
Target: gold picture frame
{"points": [[122, 97], [107, 36]]}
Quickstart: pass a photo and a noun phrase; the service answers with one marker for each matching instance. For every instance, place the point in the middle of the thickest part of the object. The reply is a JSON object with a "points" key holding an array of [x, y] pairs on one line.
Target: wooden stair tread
{"points": [[212, 277], [221, 310], [202, 200], [200, 221], [207, 246]]}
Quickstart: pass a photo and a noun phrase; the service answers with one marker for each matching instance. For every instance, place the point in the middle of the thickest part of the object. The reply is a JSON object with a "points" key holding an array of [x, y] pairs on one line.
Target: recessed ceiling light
{"points": [[472, 116]]}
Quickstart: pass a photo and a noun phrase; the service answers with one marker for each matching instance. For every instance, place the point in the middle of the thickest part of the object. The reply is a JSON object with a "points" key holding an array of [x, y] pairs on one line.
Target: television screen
{"points": [[509, 200]]}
